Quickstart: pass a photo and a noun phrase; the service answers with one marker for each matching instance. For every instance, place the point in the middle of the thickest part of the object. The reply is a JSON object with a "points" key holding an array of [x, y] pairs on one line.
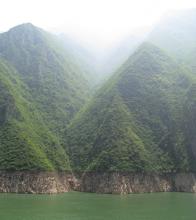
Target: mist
{"points": [[102, 31], [97, 24]]}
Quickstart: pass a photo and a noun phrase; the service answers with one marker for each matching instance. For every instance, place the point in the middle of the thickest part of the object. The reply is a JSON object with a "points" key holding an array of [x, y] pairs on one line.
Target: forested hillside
{"points": [[57, 84], [135, 122], [41, 90], [142, 119]]}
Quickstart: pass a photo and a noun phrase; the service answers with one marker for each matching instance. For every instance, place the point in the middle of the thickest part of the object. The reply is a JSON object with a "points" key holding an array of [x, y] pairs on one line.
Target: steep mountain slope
{"points": [[190, 122], [41, 89], [176, 33], [25, 141], [57, 84], [135, 122]]}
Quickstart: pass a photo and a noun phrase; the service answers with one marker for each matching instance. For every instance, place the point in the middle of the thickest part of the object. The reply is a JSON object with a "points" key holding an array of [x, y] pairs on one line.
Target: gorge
{"points": [[63, 128]]}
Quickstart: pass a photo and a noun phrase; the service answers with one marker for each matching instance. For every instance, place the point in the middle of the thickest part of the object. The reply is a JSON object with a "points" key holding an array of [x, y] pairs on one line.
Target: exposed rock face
{"points": [[36, 182], [185, 182], [116, 183], [124, 183]]}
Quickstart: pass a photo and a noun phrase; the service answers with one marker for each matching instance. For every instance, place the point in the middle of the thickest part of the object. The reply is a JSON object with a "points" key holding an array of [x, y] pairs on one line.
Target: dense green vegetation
{"points": [[25, 141], [135, 121], [57, 84], [143, 119], [41, 89]]}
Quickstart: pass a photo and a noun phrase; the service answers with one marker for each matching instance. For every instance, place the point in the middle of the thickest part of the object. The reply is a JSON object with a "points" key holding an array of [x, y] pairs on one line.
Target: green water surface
{"points": [[86, 206]]}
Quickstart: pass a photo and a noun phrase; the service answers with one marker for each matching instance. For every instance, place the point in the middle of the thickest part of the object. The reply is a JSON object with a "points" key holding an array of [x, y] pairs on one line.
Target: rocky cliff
{"points": [[125, 183], [115, 183], [36, 182]]}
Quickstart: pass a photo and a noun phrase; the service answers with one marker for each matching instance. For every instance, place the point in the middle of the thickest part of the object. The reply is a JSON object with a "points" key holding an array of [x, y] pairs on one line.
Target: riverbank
{"points": [[113, 182], [36, 182]]}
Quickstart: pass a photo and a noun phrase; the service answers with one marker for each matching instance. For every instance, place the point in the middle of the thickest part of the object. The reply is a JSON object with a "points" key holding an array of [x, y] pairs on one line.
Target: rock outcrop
{"points": [[184, 182], [36, 182], [114, 182], [125, 183]]}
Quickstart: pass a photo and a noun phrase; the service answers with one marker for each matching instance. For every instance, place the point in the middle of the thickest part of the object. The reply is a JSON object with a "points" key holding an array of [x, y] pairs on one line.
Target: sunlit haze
{"points": [[96, 22]]}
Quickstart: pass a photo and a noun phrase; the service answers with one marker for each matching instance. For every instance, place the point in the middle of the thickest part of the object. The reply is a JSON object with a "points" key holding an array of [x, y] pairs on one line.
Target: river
{"points": [[89, 206]]}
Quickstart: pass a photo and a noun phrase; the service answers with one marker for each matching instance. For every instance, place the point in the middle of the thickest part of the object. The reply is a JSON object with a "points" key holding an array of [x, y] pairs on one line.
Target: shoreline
{"points": [[40, 182]]}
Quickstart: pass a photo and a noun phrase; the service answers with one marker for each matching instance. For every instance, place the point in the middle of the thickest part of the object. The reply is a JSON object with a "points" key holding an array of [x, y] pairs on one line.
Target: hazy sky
{"points": [[105, 21]]}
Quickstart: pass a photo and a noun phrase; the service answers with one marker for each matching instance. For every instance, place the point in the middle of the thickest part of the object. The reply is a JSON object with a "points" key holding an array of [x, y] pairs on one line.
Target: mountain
{"points": [[25, 141], [176, 33], [56, 83], [142, 119], [42, 88], [136, 121]]}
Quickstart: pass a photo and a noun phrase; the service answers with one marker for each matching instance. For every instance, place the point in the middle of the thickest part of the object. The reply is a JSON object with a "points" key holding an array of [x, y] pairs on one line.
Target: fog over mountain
{"points": [[99, 98]]}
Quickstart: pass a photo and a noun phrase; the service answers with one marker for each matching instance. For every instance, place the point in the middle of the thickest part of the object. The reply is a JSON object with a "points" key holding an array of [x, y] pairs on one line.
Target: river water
{"points": [[86, 206]]}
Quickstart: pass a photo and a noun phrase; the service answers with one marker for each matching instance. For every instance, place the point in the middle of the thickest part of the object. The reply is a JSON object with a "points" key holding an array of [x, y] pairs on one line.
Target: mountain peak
{"points": [[148, 59], [27, 26], [37, 74], [150, 48], [19, 34]]}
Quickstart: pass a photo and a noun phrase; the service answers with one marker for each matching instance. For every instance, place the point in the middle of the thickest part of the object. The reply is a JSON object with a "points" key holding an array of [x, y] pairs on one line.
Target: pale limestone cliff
{"points": [[36, 182], [124, 183], [115, 183]]}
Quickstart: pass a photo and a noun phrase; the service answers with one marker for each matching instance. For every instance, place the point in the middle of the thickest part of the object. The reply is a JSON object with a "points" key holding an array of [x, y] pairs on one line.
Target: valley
{"points": [[67, 124]]}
